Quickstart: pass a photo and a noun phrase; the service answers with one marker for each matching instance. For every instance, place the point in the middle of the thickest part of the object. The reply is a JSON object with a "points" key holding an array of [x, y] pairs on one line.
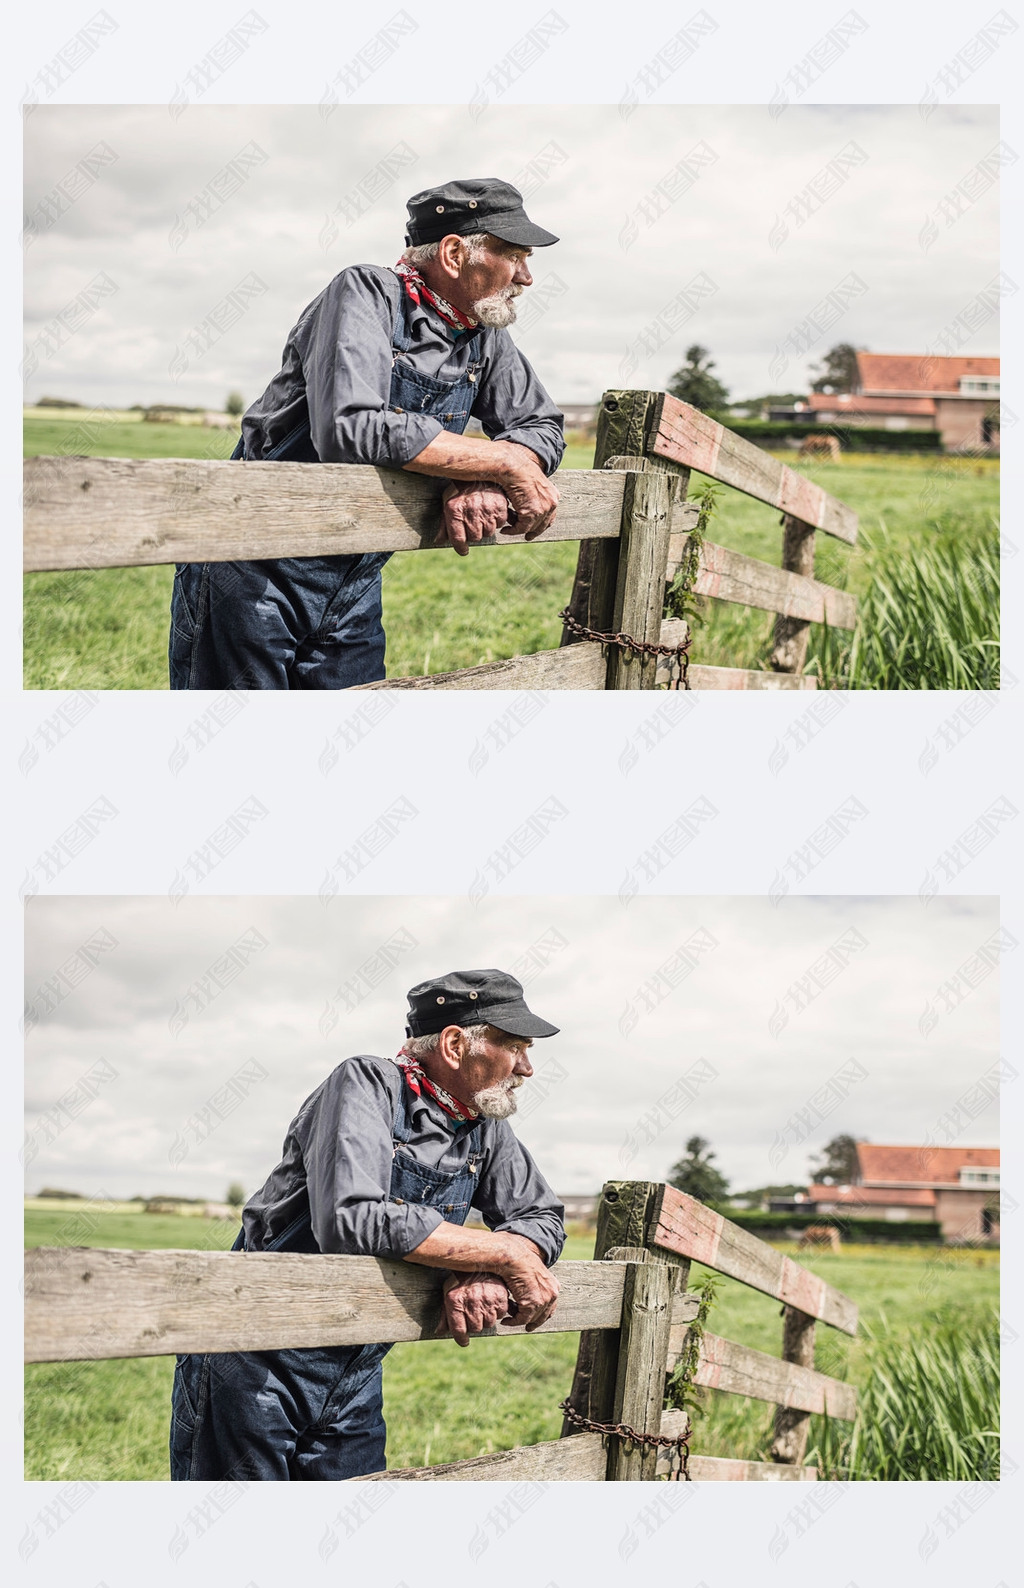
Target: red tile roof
{"points": [[889, 372], [855, 404], [880, 1166], [872, 1196]]}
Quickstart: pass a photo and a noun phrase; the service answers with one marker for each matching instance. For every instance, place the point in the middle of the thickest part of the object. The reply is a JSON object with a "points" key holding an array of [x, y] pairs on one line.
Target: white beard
{"points": [[499, 1101], [497, 310]]}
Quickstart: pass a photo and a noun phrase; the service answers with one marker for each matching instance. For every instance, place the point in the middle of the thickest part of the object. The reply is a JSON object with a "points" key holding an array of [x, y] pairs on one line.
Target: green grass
{"points": [[109, 1420], [930, 1405], [108, 629]]}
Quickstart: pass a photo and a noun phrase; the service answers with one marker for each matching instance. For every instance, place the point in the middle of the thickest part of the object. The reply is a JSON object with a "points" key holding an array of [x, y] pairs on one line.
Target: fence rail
{"points": [[629, 1305], [630, 513]]}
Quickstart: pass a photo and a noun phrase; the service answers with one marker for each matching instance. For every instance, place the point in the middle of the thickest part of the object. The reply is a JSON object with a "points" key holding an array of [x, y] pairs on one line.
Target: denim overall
{"points": [[313, 1414], [301, 622]]}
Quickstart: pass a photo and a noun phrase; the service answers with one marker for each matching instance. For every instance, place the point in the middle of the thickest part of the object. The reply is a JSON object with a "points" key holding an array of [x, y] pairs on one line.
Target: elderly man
{"points": [[385, 367], [386, 1158]]}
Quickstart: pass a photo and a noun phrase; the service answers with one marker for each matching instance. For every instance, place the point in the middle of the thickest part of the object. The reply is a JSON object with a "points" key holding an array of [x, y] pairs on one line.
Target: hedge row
{"points": [[852, 438], [913, 1231]]}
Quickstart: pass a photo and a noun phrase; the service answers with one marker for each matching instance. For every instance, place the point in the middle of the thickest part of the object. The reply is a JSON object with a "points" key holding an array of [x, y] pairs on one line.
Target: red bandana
{"points": [[419, 1082], [416, 288]]}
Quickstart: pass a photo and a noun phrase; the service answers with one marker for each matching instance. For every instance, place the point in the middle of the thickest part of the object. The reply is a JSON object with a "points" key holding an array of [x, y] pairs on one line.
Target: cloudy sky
{"points": [[767, 215], [172, 1053]]}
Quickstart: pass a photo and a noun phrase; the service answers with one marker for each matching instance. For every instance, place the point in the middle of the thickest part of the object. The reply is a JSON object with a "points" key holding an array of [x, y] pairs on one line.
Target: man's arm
{"points": [[517, 1261], [516, 469]]}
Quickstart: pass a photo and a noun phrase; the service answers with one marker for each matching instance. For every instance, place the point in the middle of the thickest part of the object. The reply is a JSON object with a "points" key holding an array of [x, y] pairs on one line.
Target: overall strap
{"points": [[401, 331]]}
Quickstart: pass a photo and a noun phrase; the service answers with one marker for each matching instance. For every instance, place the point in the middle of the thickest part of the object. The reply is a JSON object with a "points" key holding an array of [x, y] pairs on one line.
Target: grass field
{"points": [[109, 1420], [108, 629]]}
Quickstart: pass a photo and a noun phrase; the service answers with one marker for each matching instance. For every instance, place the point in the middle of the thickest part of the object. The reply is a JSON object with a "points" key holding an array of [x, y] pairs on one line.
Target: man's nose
{"points": [[523, 1066], [522, 276]]}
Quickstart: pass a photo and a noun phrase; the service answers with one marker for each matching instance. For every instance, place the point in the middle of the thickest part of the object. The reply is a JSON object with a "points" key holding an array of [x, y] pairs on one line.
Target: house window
{"points": [[979, 385], [979, 1176], [897, 1215]]}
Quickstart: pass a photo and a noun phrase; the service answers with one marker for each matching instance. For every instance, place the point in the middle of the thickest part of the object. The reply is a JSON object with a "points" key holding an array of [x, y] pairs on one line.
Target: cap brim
{"points": [[519, 1021], [516, 229]]}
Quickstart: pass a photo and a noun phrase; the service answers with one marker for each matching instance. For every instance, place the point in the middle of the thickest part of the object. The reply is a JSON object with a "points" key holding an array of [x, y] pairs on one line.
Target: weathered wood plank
{"points": [[575, 667], [738, 1370], [684, 435], [583, 1459], [792, 634], [673, 630], [583, 666], [730, 576], [580, 1458], [689, 1227], [640, 586], [792, 1423], [739, 678], [83, 1304], [718, 1469], [119, 512], [640, 1381]]}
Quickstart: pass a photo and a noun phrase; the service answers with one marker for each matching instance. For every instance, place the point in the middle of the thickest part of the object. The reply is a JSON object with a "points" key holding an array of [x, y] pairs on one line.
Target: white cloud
{"points": [[753, 166], [626, 1037]]}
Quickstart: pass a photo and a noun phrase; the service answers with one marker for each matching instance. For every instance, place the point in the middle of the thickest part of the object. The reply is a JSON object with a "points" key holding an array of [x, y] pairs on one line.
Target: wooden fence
{"points": [[630, 514], [630, 1305]]}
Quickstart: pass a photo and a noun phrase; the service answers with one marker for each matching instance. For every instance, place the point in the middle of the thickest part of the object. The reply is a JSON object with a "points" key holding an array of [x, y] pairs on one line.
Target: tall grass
{"points": [[928, 1410], [928, 617]]}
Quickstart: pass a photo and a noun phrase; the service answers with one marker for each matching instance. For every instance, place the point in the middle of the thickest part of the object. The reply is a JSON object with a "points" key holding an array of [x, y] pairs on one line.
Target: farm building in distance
{"points": [[920, 391], [957, 1186]]}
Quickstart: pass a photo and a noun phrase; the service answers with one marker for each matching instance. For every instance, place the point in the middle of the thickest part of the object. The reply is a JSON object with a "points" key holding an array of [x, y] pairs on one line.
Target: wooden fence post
{"points": [[621, 1221], [627, 1211], [640, 584], [643, 1364], [622, 426], [791, 1426], [791, 634]]}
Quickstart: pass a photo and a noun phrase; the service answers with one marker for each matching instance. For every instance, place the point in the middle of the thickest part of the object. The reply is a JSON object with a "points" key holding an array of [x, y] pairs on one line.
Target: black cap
{"points": [[473, 998], [478, 204]]}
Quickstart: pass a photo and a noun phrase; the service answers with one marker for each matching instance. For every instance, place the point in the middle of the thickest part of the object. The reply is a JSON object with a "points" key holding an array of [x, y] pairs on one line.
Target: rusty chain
{"points": [[679, 1443], [678, 668]]}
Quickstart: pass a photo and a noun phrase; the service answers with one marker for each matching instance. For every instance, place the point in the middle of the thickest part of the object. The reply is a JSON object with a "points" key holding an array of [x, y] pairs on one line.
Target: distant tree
{"points": [[695, 384], [696, 1174], [836, 1164], [236, 1194], [234, 403], [838, 369]]}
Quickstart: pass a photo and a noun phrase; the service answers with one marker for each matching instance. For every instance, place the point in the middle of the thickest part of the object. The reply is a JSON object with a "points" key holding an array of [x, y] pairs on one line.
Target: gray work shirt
{"points": [[337, 359], [339, 1149]]}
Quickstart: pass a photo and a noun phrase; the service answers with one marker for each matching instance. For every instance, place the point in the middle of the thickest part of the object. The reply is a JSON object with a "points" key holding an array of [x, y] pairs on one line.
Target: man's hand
{"points": [[514, 1258], [534, 1288], [534, 498], [472, 1303], [472, 511], [515, 469]]}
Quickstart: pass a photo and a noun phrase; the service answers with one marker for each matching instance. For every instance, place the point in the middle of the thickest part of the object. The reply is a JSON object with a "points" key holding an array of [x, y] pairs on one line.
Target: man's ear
{"points": [[450, 255], [451, 1045]]}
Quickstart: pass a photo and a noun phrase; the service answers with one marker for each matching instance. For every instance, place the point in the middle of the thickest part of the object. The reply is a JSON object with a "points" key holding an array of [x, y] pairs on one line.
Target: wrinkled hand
{"points": [[535, 500], [473, 1302], [472, 510], [534, 1289]]}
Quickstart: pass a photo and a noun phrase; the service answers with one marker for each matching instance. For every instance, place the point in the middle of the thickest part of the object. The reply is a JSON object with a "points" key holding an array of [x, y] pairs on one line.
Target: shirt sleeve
{"points": [[513, 1195], [347, 1152], [346, 362], [513, 405]]}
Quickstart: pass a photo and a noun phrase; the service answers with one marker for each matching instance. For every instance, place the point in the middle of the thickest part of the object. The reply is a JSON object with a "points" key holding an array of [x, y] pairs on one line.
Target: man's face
{"points": [[490, 1076], [490, 283]]}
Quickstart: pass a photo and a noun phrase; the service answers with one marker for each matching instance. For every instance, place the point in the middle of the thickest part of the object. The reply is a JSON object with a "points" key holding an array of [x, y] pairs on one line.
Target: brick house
{"points": [[957, 1186], [920, 391]]}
